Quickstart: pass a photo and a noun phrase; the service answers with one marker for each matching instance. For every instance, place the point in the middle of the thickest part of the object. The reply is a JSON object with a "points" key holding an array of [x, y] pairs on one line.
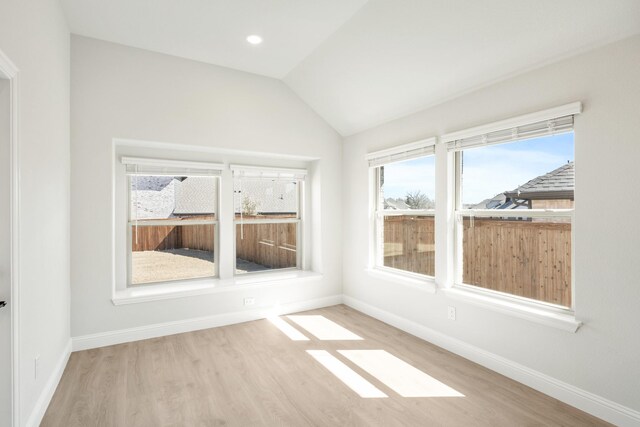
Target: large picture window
{"points": [[404, 182], [514, 211], [268, 217], [172, 225]]}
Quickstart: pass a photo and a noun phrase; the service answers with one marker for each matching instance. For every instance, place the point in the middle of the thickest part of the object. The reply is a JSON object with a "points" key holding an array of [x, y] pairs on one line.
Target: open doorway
{"points": [[8, 243]]}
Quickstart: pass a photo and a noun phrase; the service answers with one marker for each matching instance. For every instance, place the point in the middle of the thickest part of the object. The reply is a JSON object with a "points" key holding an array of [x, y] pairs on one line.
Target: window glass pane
{"points": [[409, 243], [408, 185], [263, 198], [162, 253], [530, 174], [522, 256], [175, 197], [265, 246], [406, 242]]}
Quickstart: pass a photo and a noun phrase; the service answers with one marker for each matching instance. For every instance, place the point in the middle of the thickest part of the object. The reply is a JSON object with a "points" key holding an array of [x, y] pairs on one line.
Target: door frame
{"points": [[9, 71]]}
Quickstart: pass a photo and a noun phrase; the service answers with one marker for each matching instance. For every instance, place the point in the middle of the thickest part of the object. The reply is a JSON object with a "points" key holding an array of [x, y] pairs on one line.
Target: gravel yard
{"points": [[171, 264], [176, 264]]}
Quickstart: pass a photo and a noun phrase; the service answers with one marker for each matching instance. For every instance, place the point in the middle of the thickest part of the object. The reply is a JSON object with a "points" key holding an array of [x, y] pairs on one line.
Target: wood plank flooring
{"points": [[252, 374]]}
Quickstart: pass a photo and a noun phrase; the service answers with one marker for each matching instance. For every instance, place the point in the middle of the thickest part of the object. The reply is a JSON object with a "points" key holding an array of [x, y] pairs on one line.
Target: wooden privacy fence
{"points": [[526, 258], [409, 243], [164, 237], [271, 245]]}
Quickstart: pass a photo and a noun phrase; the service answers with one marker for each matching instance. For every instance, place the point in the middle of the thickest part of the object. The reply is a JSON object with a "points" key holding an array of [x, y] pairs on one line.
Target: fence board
{"points": [[271, 245], [531, 259]]}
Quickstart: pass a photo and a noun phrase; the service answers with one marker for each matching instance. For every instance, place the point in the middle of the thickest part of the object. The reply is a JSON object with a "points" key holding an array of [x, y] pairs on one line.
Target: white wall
{"points": [[34, 35], [604, 355], [122, 92]]}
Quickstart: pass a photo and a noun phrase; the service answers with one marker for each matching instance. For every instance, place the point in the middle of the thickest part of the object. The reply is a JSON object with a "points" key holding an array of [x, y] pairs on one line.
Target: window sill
{"points": [[425, 284], [141, 294], [555, 318]]}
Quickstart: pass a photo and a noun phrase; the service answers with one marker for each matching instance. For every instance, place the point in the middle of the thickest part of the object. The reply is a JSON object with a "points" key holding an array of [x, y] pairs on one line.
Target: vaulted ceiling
{"points": [[361, 63]]}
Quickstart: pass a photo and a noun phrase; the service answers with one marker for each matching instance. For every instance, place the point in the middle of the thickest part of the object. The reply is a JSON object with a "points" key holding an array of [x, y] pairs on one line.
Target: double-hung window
{"points": [[268, 218], [404, 208], [514, 200], [172, 225]]}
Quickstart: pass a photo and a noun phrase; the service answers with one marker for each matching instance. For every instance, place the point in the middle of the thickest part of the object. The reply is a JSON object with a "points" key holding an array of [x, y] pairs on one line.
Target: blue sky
{"points": [[409, 176], [487, 171]]}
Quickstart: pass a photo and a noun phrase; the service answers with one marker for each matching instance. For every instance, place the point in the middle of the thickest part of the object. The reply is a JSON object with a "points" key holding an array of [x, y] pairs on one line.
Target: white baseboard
{"points": [[104, 339], [49, 389], [567, 393]]}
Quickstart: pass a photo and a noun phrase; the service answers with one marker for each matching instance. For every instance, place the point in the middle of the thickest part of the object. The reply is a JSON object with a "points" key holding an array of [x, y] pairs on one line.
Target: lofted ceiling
{"points": [[361, 63], [215, 31]]}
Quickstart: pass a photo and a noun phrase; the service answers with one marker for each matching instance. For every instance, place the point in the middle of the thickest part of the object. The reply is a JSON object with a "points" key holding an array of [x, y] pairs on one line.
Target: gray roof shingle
{"points": [[196, 195], [557, 184]]}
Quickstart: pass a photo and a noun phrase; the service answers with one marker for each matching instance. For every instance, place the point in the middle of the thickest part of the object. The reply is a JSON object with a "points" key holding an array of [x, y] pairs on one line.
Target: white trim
{"points": [[103, 339], [534, 311], [199, 149], [168, 222], [266, 169], [416, 145], [402, 212], [267, 220], [417, 281], [539, 116], [40, 408], [586, 401], [516, 213], [193, 287], [173, 164], [11, 72]]}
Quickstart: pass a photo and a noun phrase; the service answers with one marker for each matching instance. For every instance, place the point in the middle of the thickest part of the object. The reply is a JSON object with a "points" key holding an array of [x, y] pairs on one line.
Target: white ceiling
{"points": [[360, 63], [215, 31]]}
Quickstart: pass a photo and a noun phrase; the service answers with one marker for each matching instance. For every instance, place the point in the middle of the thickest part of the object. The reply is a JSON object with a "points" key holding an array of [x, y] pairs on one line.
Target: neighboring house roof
{"points": [[152, 197], [557, 184], [195, 196], [269, 196], [395, 204], [156, 197], [499, 201]]}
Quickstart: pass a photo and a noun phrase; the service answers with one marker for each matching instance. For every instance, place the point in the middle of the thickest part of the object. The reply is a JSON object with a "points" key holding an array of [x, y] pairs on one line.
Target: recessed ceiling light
{"points": [[254, 39]]}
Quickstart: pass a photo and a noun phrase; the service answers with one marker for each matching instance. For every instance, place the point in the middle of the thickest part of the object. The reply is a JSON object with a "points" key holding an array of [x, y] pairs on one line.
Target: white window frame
{"points": [[158, 167], [261, 173], [378, 159], [539, 311]]}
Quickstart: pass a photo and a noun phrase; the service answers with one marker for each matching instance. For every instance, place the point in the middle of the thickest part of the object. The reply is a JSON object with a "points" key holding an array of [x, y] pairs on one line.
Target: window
{"points": [[404, 182], [514, 210], [173, 220], [268, 217]]}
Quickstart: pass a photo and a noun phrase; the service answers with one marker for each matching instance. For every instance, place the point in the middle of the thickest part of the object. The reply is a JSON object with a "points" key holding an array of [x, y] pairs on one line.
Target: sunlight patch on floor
{"points": [[347, 375], [323, 328], [398, 375], [287, 329]]}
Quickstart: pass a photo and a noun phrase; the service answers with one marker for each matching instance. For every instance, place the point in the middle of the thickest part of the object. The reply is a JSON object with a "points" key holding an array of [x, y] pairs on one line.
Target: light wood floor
{"points": [[252, 374]]}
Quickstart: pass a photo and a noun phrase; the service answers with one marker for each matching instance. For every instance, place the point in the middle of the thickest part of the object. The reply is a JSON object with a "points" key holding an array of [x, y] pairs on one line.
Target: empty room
{"points": [[319, 213]]}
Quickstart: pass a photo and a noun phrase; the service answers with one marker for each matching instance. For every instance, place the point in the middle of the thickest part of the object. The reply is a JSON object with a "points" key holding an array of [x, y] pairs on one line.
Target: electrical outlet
{"points": [[451, 313], [249, 301], [36, 362]]}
